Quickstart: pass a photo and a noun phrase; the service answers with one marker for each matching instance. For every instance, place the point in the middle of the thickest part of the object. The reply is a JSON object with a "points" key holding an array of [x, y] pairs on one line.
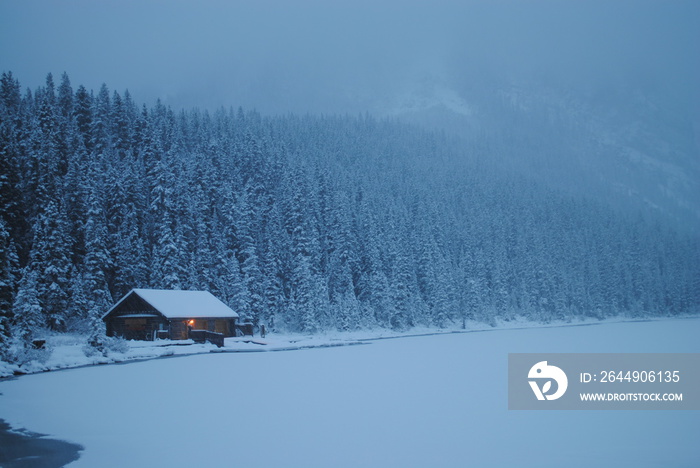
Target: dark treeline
{"points": [[301, 223]]}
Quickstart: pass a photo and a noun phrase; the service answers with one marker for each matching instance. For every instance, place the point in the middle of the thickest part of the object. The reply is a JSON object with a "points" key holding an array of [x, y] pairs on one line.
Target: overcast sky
{"points": [[338, 56]]}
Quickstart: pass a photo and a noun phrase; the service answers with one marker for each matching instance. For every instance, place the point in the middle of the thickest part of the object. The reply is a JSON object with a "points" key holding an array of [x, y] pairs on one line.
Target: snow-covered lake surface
{"points": [[422, 401]]}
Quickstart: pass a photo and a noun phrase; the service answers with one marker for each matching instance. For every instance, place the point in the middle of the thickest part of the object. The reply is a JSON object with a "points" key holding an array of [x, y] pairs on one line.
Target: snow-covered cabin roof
{"points": [[181, 304]]}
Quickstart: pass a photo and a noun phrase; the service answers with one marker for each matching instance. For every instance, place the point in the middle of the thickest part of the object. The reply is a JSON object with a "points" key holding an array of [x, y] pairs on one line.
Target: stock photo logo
{"points": [[545, 374]]}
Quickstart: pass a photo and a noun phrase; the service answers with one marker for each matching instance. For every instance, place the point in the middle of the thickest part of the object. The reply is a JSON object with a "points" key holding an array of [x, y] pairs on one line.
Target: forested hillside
{"points": [[303, 223]]}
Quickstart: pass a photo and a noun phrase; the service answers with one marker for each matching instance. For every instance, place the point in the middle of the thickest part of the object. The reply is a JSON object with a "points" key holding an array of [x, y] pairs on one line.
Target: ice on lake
{"points": [[423, 401]]}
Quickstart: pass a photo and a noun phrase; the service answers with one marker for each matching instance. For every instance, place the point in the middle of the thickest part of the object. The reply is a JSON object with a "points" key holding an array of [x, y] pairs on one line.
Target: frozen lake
{"points": [[423, 401]]}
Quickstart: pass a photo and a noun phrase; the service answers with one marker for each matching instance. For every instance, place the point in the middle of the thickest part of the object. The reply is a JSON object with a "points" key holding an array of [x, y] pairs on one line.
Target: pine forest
{"points": [[303, 223]]}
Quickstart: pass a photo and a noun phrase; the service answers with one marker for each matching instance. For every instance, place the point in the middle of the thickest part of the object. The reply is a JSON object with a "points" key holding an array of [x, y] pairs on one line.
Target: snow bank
{"points": [[68, 351]]}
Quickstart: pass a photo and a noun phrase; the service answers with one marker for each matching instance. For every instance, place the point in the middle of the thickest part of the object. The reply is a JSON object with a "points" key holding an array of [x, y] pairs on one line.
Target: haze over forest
{"points": [[277, 56], [604, 91]]}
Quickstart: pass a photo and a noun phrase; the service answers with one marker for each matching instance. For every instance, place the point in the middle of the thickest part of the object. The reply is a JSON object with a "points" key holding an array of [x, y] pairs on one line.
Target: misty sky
{"points": [[344, 56]]}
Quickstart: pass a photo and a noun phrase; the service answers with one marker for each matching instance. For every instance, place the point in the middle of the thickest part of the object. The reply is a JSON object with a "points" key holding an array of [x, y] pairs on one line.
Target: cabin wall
{"points": [[179, 328], [135, 328], [143, 328], [135, 319]]}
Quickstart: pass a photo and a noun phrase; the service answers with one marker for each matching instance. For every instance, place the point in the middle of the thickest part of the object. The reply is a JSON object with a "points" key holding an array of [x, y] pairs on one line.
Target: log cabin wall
{"points": [[136, 327]]}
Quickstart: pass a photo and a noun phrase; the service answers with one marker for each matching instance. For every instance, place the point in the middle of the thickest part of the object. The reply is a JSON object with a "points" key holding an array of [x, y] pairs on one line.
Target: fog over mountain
{"points": [[280, 56], [596, 97]]}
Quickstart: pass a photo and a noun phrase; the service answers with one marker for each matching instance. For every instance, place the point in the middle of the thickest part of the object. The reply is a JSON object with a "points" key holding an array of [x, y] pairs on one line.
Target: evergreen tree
{"points": [[247, 255], [100, 125], [50, 262], [28, 318], [82, 110], [9, 266], [97, 260], [402, 288]]}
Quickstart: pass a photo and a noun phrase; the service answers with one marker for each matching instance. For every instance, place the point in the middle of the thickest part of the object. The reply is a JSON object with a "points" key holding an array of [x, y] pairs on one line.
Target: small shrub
{"points": [[105, 345], [23, 353]]}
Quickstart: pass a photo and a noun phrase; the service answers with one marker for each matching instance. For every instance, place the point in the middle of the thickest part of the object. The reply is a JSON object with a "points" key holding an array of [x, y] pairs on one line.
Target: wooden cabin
{"points": [[146, 314]]}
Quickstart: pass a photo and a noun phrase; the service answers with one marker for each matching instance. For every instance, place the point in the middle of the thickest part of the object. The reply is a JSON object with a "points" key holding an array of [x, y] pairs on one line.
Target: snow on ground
{"points": [[436, 400], [68, 351]]}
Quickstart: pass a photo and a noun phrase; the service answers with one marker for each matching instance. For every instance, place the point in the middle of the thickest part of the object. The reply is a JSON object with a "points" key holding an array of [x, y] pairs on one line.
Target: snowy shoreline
{"points": [[67, 350]]}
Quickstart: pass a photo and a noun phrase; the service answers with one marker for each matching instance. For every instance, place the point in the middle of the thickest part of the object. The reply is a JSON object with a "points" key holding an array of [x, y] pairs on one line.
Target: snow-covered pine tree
{"points": [[50, 262], [82, 110], [97, 261], [9, 266], [28, 319], [100, 128], [247, 253], [402, 285]]}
